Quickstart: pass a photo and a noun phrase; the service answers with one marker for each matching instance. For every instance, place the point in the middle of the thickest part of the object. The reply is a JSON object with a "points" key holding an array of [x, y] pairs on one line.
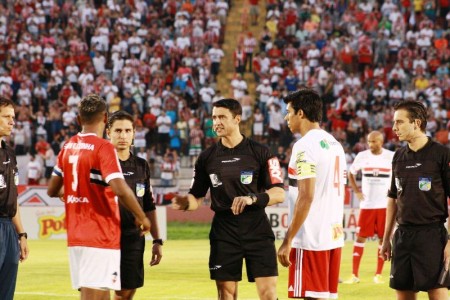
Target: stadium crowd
{"points": [[159, 60]]}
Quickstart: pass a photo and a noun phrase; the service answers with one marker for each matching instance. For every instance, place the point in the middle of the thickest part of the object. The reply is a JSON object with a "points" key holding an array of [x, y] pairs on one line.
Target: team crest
{"points": [[424, 184], [140, 189], [246, 177]]}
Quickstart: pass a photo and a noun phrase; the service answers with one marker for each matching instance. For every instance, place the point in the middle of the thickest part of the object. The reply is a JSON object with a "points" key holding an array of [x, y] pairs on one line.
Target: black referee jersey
{"points": [[137, 175], [9, 179], [230, 172], [420, 183]]}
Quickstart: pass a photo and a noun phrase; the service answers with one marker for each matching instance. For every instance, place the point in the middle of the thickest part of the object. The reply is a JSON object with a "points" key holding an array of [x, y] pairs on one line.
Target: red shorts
{"points": [[371, 222], [314, 274]]}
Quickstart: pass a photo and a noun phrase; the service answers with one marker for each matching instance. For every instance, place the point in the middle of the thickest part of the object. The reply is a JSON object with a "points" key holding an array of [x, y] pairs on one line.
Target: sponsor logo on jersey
{"points": [[413, 166], [140, 189], [425, 184], [114, 277], [216, 267], [246, 177], [275, 171], [234, 159], [128, 173], [73, 199], [324, 144], [215, 180]]}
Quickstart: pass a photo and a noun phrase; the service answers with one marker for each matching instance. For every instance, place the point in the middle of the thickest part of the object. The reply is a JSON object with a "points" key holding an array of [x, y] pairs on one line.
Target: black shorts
{"points": [[247, 236], [132, 261], [417, 257]]}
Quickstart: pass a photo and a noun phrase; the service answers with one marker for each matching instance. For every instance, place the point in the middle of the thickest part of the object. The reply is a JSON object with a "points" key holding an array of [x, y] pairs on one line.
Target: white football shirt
{"points": [[319, 155]]}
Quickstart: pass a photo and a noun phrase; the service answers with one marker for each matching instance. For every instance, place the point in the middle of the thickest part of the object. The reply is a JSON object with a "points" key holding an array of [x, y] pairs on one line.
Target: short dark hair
{"points": [[231, 104], [91, 107], [416, 111], [4, 102], [119, 115], [308, 101]]}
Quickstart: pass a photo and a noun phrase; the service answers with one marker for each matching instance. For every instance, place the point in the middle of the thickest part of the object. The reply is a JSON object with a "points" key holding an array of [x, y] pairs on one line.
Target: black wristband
{"points": [[262, 199], [22, 234], [158, 241]]}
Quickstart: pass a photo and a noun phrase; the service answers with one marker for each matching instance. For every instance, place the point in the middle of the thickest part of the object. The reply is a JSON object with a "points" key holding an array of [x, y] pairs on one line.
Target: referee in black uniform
{"points": [[243, 178], [13, 239], [417, 200], [120, 130]]}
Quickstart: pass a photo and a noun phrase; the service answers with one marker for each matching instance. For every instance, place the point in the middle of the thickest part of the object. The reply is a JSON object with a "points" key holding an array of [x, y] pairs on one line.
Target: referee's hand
{"points": [[180, 202], [239, 204]]}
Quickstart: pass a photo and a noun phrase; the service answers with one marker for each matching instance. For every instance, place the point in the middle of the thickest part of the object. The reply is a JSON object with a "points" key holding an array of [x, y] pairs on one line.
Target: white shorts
{"points": [[94, 268]]}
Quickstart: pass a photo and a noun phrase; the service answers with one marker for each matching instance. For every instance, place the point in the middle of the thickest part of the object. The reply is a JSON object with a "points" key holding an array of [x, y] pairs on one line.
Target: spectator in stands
{"points": [[34, 170]]}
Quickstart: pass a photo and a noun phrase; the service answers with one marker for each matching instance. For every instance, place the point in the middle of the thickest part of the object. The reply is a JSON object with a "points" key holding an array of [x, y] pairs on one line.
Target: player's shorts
{"points": [[417, 257], [94, 268], [233, 238], [371, 222], [132, 261], [314, 274]]}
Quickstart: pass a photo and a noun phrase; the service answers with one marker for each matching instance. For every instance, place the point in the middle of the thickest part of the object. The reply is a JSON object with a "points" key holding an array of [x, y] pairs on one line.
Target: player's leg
{"points": [[94, 294], [438, 294], [267, 287], [379, 230], [365, 229], [406, 295], [227, 290], [124, 294], [9, 259]]}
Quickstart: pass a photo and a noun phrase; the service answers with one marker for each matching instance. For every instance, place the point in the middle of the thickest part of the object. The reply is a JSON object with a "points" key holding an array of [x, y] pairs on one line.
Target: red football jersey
{"points": [[87, 163]]}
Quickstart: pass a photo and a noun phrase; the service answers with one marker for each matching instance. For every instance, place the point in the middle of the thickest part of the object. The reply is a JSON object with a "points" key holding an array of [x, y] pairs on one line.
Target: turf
{"points": [[182, 274]]}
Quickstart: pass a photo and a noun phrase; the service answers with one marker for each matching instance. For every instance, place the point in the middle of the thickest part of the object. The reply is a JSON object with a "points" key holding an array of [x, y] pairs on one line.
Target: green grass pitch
{"points": [[182, 274]]}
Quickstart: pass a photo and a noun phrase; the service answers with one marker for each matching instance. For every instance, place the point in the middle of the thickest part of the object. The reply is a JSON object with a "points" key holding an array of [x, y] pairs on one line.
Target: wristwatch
{"points": [[23, 234], [158, 241], [253, 197]]}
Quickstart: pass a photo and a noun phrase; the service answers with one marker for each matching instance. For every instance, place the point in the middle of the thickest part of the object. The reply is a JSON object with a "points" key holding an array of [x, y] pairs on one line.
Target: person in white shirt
{"points": [[375, 165], [215, 54], [265, 91], [239, 85], [317, 174], [164, 123], [34, 170]]}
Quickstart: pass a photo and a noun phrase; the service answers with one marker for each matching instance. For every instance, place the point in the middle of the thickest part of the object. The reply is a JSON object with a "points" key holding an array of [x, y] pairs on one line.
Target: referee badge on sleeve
{"points": [[140, 189], [246, 177], [424, 184]]}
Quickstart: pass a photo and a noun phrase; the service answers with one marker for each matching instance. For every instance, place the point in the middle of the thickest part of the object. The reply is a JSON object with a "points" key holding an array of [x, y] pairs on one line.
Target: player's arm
{"points": [[55, 186], [128, 200], [354, 186], [306, 188], [391, 213], [17, 221]]}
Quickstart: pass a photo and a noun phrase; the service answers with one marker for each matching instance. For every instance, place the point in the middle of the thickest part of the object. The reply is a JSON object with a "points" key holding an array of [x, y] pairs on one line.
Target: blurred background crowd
{"points": [[163, 62]]}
